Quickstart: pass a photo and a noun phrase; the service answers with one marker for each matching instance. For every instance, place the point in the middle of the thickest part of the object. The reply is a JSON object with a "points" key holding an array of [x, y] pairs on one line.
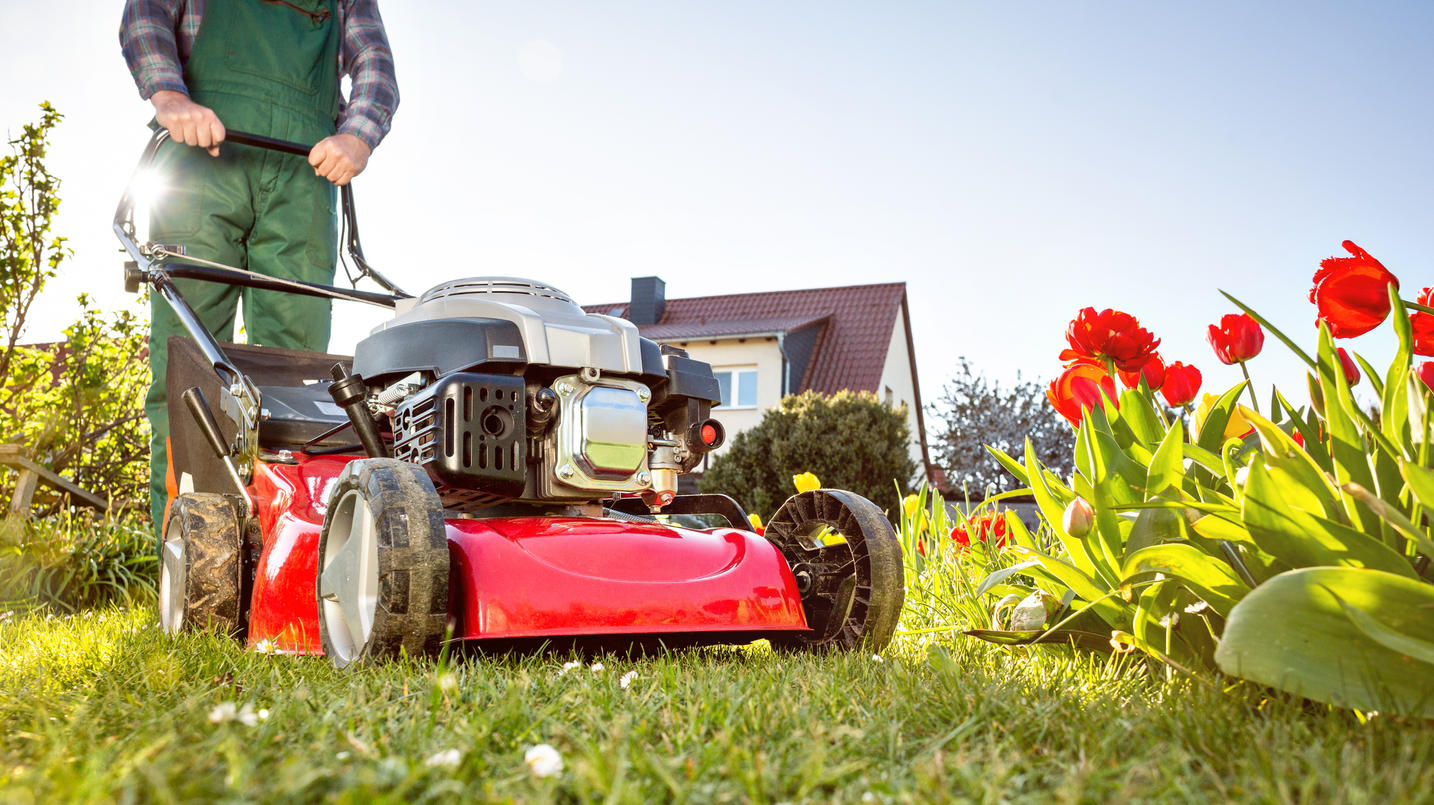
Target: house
{"points": [[764, 346]]}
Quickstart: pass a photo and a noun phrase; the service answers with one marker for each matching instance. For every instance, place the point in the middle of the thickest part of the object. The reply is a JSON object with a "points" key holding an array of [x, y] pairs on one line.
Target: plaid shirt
{"points": [[158, 35]]}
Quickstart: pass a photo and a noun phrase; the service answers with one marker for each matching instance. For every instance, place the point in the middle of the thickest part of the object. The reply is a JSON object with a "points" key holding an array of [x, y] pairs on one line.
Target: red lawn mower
{"points": [[493, 466]]}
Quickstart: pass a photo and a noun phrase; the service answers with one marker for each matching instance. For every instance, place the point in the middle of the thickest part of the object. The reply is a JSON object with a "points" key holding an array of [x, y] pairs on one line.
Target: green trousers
{"points": [[248, 208]]}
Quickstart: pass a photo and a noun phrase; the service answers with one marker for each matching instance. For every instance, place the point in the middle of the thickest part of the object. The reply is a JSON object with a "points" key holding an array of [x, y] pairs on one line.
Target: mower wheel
{"points": [[847, 562], [201, 565], [382, 584]]}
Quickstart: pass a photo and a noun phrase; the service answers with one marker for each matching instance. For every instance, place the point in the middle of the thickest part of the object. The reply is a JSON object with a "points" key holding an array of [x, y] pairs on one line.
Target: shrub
{"points": [[851, 440], [71, 562]]}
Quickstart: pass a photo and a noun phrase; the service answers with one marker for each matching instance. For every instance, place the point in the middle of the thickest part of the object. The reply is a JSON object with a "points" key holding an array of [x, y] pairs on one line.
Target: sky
{"points": [[1011, 162]]}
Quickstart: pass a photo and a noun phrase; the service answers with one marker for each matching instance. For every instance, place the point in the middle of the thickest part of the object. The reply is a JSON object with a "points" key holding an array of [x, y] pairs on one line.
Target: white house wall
{"points": [[761, 352], [896, 375]]}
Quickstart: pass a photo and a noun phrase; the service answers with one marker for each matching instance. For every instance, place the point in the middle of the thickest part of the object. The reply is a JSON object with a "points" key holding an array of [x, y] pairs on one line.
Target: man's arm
{"points": [[366, 118], [147, 38]]}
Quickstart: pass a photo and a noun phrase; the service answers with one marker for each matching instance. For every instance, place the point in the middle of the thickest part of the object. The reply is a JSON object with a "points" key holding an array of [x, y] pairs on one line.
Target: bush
{"points": [[72, 562], [851, 440], [973, 412]]}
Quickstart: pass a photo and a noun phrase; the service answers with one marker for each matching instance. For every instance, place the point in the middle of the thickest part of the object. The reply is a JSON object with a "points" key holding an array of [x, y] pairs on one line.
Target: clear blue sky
{"points": [[1010, 161]]}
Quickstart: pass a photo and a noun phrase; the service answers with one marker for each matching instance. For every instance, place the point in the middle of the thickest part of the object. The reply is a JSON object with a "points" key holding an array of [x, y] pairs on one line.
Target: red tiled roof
{"points": [[859, 322]]}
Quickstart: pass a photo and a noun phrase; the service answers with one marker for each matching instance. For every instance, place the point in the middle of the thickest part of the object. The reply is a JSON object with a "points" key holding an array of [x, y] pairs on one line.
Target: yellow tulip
{"points": [[806, 482], [755, 520], [1235, 428], [910, 504]]}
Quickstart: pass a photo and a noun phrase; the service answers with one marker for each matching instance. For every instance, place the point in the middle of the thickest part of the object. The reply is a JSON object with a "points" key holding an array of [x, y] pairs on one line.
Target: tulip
{"points": [[1109, 336], [1153, 370], [1423, 324], [1351, 369], [806, 482], [756, 521], [1352, 293], [1236, 427], [1182, 383], [1079, 388], [1078, 517], [1236, 339], [1425, 371]]}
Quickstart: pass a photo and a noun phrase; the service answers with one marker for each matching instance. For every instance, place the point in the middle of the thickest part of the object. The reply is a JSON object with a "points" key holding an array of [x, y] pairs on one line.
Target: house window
{"points": [[739, 387]]}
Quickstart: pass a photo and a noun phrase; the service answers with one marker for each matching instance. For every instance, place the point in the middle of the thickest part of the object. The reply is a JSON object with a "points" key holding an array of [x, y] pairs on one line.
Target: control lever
{"points": [[204, 418]]}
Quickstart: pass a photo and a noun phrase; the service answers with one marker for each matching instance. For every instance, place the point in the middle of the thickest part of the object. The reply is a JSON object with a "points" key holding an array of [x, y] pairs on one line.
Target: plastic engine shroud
{"points": [[524, 577]]}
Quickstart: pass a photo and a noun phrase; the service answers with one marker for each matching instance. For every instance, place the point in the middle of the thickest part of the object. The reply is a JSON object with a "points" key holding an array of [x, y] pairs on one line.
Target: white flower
{"points": [[248, 717], [543, 760], [627, 679], [342, 756], [447, 682], [877, 658], [868, 797], [266, 646], [598, 667], [568, 666], [448, 758], [222, 712]]}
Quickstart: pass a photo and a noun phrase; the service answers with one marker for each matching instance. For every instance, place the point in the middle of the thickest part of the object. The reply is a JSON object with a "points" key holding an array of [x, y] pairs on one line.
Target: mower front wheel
{"points": [[201, 565], [382, 584], [846, 560]]}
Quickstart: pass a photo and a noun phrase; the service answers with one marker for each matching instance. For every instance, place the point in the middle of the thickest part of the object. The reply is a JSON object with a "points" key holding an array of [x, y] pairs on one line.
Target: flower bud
{"points": [[1078, 518]]}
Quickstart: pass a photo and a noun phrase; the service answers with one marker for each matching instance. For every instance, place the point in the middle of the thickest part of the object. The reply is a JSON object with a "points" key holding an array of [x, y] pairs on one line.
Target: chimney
{"points": [[649, 300]]}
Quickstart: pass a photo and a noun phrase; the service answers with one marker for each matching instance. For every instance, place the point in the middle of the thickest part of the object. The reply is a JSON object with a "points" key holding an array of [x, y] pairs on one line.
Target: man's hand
{"points": [[339, 158], [187, 121]]}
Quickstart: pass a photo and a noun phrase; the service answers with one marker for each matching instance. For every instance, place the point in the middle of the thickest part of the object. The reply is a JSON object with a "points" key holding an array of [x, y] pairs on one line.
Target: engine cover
{"points": [[600, 442], [469, 431]]}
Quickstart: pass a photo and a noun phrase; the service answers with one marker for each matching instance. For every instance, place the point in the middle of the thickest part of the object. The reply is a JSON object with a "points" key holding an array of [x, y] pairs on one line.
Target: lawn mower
{"points": [[492, 464]]}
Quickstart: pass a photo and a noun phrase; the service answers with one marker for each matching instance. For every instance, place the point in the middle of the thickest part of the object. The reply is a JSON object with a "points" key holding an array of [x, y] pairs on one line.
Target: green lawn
{"points": [[102, 706]]}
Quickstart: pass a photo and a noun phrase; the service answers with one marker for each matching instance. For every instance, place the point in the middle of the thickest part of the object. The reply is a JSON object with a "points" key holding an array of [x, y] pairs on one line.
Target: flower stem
{"points": [[1417, 306], [1250, 387]]}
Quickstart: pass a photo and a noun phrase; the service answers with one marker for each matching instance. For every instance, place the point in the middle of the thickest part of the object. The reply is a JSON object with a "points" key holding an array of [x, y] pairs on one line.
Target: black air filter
{"points": [[469, 432]]}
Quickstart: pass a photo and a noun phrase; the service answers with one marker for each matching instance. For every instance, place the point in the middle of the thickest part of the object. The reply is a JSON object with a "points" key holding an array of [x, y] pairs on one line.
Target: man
{"points": [[269, 67]]}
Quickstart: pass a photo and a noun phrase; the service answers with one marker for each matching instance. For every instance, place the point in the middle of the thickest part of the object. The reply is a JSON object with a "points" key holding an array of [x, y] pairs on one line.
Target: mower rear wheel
{"points": [[852, 590], [201, 565], [382, 584]]}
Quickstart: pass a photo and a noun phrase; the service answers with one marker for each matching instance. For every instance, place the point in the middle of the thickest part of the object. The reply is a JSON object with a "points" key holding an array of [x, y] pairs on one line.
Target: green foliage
{"points": [[70, 562], [973, 412], [75, 406], [104, 706], [851, 440], [1308, 566]]}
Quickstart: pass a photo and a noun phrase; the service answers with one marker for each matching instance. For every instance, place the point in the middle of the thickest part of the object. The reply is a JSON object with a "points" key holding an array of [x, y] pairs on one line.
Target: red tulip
{"points": [[1298, 437], [1078, 388], [1423, 324], [1182, 383], [1351, 369], [1425, 371], [1111, 335], [990, 528], [1153, 371], [1236, 339], [1352, 293]]}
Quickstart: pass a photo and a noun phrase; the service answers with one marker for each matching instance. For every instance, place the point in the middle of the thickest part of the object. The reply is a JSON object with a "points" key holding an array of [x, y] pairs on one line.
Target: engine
{"points": [[504, 389]]}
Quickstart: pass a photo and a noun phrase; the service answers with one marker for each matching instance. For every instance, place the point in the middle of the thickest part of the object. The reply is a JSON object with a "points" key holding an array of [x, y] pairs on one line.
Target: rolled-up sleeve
{"points": [[368, 61], [148, 41]]}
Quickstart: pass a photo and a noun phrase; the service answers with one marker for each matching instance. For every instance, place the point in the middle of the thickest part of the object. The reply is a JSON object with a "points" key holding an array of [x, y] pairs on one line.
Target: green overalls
{"points": [[264, 67]]}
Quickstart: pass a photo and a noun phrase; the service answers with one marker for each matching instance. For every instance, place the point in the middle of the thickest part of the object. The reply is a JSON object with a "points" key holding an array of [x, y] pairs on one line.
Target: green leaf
{"points": [[1309, 430], [1394, 405], [1083, 585], [1303, 539], [1284, 453], [1012, 466], [1208, 459], [1166, 466], [1140, 416], [1392, 639], [1209, 578], [1293, 633], [1053, 509], [1346, 442], [1395, 518], [1153, 527], [1086, 640], [1212, 430], [1375, 381], [1001, 575]]}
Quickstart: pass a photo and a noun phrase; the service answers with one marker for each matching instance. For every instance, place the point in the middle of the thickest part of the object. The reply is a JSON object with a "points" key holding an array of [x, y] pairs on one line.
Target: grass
{"points": [[102, 706], [73, 561]]}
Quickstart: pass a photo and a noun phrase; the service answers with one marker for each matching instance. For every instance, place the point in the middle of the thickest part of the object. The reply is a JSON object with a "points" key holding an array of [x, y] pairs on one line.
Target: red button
{"points": [[709, 434]]}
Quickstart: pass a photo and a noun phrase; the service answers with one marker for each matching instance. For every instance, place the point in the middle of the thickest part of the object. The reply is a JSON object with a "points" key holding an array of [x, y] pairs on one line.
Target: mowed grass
{"points": [[103, 706]]}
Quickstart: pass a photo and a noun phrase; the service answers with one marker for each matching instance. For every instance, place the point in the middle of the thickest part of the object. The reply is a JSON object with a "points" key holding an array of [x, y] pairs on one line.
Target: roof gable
{"points": [[854, 327]]}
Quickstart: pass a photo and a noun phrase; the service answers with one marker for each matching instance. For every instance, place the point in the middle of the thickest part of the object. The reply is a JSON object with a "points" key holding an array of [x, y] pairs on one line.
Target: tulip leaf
{"points": [[1166, 467], [1081, 584], [1295, 348], [1294, 633], [1207, 459], [1395, 518], [1421, 483], [1153, 527], [1139, 415], [1283, 452], [1086, 640], [1204, 575], [1154, 603], [1212, 430], [1394, 640], [1303, 539], [1053, 511], [1001, 575], [1346, 442], [1395, 410], [1372, 376], [1010, 464], [1309, 430]]}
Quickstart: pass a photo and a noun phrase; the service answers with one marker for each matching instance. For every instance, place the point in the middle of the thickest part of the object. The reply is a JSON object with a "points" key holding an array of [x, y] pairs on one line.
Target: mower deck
{"points": [[536, 577]]}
